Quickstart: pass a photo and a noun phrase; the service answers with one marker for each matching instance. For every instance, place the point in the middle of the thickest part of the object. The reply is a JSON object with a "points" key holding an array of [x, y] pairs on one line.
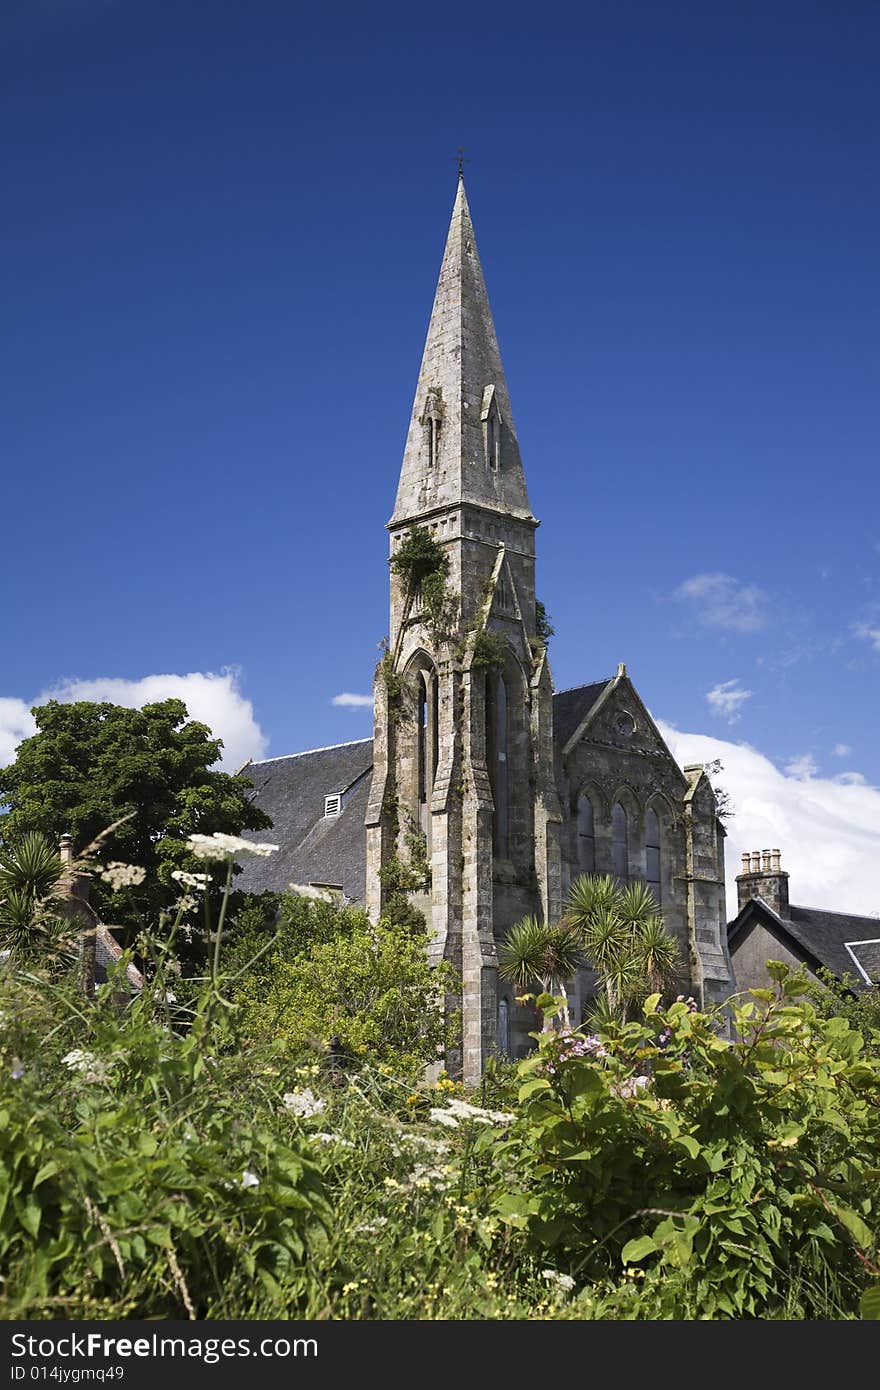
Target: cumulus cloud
{"points": [[212, 698], [841, 750], [723, 602], [803, 766], [727, 699], [16, 723], [828, 828], [349, 701]]}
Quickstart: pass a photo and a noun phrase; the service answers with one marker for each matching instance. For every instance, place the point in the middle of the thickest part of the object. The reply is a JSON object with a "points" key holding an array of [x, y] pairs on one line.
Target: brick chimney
{"points": [[762, 877]]}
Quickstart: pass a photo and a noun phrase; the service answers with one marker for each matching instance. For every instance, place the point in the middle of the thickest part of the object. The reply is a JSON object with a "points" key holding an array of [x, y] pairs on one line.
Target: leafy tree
{"points": [[539, 951], [91, 764], [843, 998], [372, 988], [621, 932], [29, 873]]}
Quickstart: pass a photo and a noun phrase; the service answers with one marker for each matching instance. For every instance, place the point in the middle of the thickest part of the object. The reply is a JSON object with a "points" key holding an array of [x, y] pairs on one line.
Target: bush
{"points": [[721, 1179]]}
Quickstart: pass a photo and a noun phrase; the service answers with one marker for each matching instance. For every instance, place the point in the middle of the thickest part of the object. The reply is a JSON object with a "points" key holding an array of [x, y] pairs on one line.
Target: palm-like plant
{"points": [[622, 934], [29, 873], [537, 951]]}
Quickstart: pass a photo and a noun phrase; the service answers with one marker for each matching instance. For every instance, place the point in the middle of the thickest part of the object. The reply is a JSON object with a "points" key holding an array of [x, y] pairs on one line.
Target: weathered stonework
{"points": [[464, 747]]}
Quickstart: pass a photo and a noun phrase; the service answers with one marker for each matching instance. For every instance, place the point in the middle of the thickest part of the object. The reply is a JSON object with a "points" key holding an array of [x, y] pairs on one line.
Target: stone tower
{"points": [[463, 797]]}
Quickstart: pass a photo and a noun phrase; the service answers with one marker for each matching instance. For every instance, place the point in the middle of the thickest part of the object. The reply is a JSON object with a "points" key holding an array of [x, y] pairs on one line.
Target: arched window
{"points": [[504, 1027], [496, 753], [586, 846], [652, 853], [426, 743], [619, 843]]}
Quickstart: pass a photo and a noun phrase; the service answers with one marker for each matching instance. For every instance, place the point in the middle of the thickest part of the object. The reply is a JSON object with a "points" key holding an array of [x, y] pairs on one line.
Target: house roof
{"points": [[835, 940], [314, 848]]}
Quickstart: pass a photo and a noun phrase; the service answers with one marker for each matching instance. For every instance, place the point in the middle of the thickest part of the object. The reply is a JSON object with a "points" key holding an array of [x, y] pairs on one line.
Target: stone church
{"points": [[489, 789]]}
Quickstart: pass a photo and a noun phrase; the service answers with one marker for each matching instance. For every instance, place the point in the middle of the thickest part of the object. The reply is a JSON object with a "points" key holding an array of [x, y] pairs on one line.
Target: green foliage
{"points": [[29, 873], [370, 987], [418, 556], [847, 998], [621, 932], [91, 764], [490, 650], [544, 629], [534, 950], [693, 1177]]}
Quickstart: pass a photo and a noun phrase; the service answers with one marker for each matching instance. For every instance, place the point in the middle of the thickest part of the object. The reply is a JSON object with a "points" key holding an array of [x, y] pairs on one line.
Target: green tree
{"points": [[372, 988], [622, 934], [539, 951], [29, 873], [91, 764]]}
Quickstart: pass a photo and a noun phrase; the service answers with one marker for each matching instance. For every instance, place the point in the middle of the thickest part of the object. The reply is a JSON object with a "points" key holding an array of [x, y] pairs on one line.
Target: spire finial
{"points": [[461, 162]]}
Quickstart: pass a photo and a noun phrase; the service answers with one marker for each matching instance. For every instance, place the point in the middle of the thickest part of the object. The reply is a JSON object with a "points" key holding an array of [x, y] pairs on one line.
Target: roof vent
{"points": [[333, 805]]}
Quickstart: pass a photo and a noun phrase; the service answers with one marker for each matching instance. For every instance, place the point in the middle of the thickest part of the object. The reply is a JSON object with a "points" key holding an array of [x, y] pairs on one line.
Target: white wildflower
{"points": [[443, 1117], [303, 1102], [186, 904], [123, 875], [249, 1179], [425, 1177], [463, 1111], [563, 1282], [327, 1138], [225, 847], [90, 1067], [197, 881], [371, 1228]]}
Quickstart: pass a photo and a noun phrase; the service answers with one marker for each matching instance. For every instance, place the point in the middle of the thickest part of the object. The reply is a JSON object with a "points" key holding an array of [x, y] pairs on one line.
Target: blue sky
{"points": [[222, 228]]}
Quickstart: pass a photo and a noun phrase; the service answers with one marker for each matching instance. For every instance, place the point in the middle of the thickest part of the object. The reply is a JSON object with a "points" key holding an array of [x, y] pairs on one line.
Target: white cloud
{"points": [[841, 750], [803, 766], [727, 699], [870, 634], [16, 723], [828, 829], [211, 698], [350, 701], [723, 602]]}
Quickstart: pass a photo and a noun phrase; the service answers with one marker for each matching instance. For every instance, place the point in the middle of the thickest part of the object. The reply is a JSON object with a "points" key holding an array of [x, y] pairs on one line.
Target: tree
{"points": [[370, 989], [621, 932], [539, 951], [91, 764], [29, 873]]}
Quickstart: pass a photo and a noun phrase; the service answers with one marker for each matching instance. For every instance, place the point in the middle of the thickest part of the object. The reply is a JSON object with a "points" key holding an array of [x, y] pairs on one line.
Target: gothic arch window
{"points": [[431, 420], [496, 754], [652, 853], [586, 838], [619, 843]]}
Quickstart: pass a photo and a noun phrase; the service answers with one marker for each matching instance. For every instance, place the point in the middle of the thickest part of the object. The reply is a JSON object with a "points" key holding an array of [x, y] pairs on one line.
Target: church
{"points": [[482, 790]]}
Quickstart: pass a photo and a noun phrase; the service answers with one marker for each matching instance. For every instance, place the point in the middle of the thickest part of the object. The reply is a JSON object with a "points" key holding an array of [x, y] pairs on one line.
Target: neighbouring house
{"points": [[769, 927]]}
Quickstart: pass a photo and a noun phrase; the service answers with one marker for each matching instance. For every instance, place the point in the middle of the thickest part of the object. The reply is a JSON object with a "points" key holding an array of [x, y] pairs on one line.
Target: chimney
{"points": [[763, 877]]}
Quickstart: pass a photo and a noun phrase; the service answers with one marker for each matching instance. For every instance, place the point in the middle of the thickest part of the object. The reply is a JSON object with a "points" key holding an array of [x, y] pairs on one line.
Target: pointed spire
{"points": [[462, 444]]}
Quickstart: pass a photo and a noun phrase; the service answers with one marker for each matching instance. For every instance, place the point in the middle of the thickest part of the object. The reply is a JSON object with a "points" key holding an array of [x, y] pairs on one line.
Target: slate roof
{"points": [[332, 849], [819, 936], [571, 706], [313, 848]]}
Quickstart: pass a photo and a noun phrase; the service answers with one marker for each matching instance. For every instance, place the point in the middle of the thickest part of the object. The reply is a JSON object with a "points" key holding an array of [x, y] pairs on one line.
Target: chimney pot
{"points": [[747, 861], [756, 861], [775, 861], [65, 849], [765, 854]]}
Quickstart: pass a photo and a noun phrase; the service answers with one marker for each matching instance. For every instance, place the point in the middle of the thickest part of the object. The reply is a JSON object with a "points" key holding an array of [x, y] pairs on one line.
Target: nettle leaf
{"points": [[870, 1303], [638, 1249], [860, 1232]]}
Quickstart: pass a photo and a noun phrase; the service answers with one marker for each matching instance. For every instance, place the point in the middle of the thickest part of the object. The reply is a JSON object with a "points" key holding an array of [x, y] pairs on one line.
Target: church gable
{"points": [[618, 720]]}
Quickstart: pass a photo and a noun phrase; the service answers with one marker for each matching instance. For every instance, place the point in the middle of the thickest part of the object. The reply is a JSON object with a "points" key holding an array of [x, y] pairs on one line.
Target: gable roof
{"points": [[819, 937], [571, 707], [314, 848]]}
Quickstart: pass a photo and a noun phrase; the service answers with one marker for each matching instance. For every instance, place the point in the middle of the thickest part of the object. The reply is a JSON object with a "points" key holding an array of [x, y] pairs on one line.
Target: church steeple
{"points": [[462, 444]]}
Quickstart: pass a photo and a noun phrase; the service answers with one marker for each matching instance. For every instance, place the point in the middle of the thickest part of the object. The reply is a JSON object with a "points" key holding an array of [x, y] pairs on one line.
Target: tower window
{"points": [[431, 419], [491, 418], [333, 805], [496, 754], [619, 843]]}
